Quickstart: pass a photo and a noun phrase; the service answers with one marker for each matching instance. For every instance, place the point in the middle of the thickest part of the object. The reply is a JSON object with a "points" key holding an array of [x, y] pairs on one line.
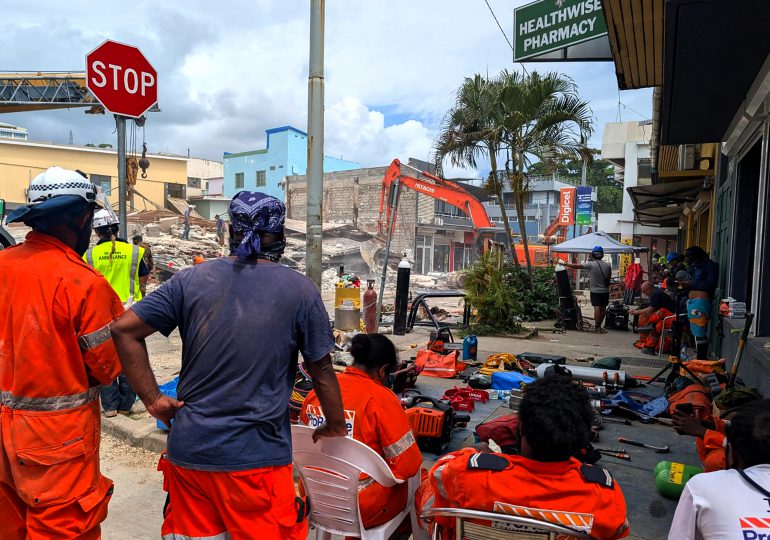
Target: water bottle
{"points": [[470, 348]]}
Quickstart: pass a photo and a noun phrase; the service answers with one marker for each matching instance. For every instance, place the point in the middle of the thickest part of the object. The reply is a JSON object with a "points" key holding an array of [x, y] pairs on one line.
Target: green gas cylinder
{"points": [[670, 477]]}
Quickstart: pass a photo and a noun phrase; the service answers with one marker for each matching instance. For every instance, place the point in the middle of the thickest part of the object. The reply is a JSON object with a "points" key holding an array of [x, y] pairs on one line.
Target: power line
{"points": [[503, 32], [498, 24], [635, 111]]}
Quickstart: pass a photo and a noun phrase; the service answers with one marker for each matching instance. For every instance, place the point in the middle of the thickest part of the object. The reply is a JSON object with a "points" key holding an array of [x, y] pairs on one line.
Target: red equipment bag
{"points": [[467, 393], [460, 403], [432, 364], [504, 430]]}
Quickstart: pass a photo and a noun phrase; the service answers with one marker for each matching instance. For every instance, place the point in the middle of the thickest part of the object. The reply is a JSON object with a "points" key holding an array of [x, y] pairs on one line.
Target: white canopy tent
{"points": [[586, 243]]}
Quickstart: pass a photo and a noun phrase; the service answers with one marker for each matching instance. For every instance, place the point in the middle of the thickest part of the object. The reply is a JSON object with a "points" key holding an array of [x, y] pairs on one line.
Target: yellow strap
{"points": [[676, 475]]}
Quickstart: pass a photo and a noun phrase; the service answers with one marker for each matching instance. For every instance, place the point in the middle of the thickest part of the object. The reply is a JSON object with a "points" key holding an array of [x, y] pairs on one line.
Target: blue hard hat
{"points": [[598, 248], [671, 256]]}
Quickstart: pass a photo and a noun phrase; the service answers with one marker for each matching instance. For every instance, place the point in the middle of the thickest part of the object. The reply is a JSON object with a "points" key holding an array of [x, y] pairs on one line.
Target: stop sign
{"points": [[121, 78]]}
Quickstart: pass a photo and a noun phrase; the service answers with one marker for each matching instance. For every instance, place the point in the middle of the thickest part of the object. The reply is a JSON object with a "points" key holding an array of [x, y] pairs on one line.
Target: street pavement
{"points": [[136, 507]]}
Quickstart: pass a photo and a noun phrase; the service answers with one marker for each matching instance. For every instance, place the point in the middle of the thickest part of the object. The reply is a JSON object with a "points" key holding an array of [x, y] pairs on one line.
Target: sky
{"points": [[227, 71]]}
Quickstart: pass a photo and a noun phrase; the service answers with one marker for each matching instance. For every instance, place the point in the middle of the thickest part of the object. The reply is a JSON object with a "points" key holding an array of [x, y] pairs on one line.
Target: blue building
{"points": [[264, 170]]}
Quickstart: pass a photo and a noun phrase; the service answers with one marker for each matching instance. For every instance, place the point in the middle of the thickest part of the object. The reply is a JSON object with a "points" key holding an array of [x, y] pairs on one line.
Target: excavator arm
{"points": [[555, 229], [444, 190]]}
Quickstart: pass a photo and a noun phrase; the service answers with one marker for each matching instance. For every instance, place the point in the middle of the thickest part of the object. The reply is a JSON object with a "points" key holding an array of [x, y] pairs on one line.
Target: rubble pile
{"points": [[170, 252]]}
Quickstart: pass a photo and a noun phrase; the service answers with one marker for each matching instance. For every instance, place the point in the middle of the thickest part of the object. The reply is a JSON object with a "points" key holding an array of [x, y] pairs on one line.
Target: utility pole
{"points": [[120, 123], [315, 144]]}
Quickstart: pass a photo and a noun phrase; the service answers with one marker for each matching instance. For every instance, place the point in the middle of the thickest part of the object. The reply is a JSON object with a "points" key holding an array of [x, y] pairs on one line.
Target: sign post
{"points": [[126, 84], [548, 26]]}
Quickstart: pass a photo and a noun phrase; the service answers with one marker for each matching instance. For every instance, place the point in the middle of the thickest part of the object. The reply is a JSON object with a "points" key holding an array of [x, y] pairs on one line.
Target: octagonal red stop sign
{"points": [[121, 78]]}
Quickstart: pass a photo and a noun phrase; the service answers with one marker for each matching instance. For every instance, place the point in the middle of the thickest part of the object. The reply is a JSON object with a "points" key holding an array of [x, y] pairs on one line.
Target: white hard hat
{"points": [[56, 181], [104, 218]]}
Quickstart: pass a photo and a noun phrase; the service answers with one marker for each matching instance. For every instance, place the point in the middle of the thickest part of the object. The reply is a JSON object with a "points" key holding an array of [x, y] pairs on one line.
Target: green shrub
{"points": [[502, 296], [540, 301], [492, 295]]}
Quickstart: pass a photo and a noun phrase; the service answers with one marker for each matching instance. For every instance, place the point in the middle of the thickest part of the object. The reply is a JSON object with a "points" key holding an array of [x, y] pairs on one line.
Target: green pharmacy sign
{"points": [[548, 25]]}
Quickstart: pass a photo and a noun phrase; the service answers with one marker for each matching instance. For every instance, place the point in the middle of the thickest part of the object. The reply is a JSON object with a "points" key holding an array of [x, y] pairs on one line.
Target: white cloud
{"points": [[228, 72]]}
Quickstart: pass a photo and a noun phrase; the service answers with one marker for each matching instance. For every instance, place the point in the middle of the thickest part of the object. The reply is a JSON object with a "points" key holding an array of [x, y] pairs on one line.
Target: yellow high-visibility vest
{"points": [[121, 268]]}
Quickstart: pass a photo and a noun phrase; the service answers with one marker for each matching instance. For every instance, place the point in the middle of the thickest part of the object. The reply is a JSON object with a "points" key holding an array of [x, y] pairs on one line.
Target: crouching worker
{"points": [[654, 318], [544, 482], [374, 417]]}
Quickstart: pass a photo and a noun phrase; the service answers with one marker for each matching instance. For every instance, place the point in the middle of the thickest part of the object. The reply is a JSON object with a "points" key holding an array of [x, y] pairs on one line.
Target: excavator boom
{"points": [[444, 190]]}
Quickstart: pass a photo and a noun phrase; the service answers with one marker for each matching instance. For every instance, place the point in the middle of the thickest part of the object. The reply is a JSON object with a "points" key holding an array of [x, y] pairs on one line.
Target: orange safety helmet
{"points": [[198, 260]]}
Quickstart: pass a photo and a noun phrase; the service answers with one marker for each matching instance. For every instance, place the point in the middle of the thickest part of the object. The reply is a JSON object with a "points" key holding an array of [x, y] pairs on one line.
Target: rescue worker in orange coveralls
{"points": [[709, 433], [545, 482], [375, 417], [243, 319], [55, 351]]}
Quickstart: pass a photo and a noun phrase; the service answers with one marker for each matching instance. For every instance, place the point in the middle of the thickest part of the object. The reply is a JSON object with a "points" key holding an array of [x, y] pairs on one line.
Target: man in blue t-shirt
{"points": [[243, 320]]}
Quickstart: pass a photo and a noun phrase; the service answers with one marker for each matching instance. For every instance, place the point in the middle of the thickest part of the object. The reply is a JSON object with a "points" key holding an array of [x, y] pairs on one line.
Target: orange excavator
{"points": [[456, 195], [432, 186], [555, 233], [438, 188]]}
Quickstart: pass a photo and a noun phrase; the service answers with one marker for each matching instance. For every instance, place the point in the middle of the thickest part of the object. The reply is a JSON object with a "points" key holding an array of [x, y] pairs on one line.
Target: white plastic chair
{"points": [[330, 470], [509, 527]]}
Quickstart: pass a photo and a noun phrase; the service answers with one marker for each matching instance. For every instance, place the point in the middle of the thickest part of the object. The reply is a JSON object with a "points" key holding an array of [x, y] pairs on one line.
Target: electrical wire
{"points": [[635, 111], [498, 24], [508, 41]]}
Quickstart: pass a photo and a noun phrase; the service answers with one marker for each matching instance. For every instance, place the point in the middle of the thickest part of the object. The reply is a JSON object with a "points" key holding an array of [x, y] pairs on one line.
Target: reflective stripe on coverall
{"points": [[558, 492], [55, 350], [237, 505], [375, 417]]}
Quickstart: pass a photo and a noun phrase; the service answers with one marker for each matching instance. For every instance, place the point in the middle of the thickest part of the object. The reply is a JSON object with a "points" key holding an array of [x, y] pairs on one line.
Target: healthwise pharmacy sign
{"points": [[548, 25]]}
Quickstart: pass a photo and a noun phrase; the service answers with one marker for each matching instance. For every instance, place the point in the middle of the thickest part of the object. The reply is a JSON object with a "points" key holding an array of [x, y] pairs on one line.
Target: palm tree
{"points": [[543, 117], [471, 132]]}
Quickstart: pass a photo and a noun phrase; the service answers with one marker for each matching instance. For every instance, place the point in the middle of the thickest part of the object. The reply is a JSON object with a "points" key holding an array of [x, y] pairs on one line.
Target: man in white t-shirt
{"points": [[735, 503]]}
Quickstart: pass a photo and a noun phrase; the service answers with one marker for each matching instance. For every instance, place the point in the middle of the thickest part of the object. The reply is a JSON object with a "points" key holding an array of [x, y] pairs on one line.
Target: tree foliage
{"points": [[517, 119], [599, 173], [493, 297]]}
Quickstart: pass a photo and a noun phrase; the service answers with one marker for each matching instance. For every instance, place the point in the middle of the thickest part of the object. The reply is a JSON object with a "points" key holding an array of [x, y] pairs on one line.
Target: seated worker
{"points": [[733, 503], [710, 436], [653, 317], [375, 417], [545, 482]]}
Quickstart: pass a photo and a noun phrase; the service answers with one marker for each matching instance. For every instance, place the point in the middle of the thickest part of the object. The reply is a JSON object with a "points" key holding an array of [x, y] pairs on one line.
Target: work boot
{"points": [[124, 413], [110, 414]]}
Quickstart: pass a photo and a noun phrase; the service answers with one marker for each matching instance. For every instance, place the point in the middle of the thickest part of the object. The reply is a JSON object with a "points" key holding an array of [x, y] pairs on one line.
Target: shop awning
{"points": [[713, 51], [661, 204], [635, 31]]}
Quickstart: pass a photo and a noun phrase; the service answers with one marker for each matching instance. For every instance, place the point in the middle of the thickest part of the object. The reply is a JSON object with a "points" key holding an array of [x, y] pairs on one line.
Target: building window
{"points": [[102, 180], [194, 183], [239, 180], [272, 167], [261, 178]]}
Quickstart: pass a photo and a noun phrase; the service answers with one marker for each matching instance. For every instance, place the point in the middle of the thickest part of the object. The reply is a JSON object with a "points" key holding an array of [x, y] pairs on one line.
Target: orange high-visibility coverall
{"points": [[375, 417], [711, 448], [55, 351], [579, 496]]}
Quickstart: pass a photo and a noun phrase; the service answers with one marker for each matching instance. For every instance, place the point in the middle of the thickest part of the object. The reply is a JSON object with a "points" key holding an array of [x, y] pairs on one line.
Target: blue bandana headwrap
{"points": [[253, 213]]}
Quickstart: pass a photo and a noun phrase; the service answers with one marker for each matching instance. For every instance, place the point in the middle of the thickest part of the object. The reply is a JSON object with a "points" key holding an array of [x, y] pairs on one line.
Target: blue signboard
{"points": [[584, 205]]}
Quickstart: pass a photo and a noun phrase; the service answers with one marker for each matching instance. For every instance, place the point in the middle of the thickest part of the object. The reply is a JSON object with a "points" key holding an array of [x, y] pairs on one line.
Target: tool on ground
{"points": [[604, 377], [618, 455], [616, 420], [739, 352], [432, 423], [657, 449]]}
